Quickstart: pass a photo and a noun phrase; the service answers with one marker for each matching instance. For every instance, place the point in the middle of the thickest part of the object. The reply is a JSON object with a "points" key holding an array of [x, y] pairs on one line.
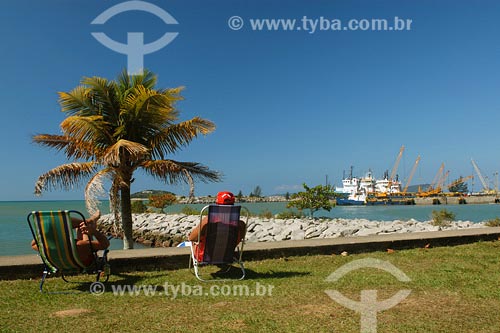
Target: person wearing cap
{"points": [[223, 198]]}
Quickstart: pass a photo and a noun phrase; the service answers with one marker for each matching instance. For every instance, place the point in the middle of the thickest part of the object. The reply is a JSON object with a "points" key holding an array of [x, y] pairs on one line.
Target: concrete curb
{"points": [[30, 266]]}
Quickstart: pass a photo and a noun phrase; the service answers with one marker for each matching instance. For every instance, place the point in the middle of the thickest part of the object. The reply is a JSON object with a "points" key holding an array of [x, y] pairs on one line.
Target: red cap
{"points": [[224, 198]]}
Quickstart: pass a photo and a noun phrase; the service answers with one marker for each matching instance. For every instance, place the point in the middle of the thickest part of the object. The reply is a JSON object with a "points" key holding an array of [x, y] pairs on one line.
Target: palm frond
{"points": [[175, 172], [65, 176], [135, 152], [126, 82], [59, 142], [142, 101], [90, 128], [145, 113], [95, 189], [104, 96], [72, 149], [77, 102], [147, 79], [175, 136]]}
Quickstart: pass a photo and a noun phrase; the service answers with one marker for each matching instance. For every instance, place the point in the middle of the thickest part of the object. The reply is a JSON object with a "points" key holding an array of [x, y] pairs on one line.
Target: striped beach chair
{"points": [[55, 237], [220, 242]]}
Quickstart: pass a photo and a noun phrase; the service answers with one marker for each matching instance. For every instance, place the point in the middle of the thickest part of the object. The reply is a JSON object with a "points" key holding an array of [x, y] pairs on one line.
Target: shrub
{"points": [[188, 210], [493, 222], [138, 207], [442, 218], [289, 214], [266, 214]]}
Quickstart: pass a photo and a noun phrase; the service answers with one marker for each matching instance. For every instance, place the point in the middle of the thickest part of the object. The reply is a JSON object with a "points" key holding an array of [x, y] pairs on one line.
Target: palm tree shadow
{"points": [[251, 274], [124, 280]]}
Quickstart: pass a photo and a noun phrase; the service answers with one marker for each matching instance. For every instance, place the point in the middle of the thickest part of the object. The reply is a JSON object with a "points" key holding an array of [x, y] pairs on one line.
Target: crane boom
{"points": [[481, 178], [436, 177], [395, 167], [459, 180], [442, 180], [412, 172]]}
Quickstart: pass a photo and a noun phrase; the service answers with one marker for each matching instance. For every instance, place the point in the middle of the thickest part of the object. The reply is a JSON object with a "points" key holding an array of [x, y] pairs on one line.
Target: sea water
{"points": [[15, 235]]}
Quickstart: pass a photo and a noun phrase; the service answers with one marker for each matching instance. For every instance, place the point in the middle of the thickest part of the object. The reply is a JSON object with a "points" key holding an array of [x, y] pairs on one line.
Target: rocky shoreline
{"points": [[162, 230]]}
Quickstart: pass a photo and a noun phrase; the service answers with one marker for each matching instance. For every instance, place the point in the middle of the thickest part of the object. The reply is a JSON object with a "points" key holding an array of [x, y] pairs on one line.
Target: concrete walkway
{"points": [[29, 266]]}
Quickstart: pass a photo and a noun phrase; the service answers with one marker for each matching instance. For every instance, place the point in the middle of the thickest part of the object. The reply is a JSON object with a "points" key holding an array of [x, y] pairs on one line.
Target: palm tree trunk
{"points": [[114, 207], [126, 208]]}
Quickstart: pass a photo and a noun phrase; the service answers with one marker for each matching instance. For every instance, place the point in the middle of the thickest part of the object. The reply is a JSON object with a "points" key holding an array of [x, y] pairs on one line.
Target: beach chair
{"points": [[55, 237], [219, 242]]}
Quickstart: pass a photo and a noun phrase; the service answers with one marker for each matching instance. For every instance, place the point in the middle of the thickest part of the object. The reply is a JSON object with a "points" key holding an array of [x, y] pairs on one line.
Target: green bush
{"points": [[138, 207], [266, 214], [188, 210], [442, 218], [493, 222], [289, 214]]}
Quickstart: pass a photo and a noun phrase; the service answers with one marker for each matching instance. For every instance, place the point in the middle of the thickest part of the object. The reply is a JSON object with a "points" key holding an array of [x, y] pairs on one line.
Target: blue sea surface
{"points": [[15, 235]]}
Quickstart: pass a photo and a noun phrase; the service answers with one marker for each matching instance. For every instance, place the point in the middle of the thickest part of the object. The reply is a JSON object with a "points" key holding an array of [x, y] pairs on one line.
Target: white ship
{"points": [[387, 186], [354, 190]]}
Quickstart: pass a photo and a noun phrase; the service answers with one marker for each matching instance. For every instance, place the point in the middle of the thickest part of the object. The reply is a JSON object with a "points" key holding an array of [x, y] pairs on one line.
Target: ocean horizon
{"points": [[15, 235]]}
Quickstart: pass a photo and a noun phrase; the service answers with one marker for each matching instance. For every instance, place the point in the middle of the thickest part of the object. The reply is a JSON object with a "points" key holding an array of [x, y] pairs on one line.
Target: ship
{"points": [[370, 191], [354, 190]]}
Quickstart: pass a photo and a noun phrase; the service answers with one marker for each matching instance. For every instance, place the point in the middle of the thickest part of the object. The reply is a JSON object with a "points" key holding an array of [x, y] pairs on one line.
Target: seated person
{"points": [[223, 198], [83, 234]]}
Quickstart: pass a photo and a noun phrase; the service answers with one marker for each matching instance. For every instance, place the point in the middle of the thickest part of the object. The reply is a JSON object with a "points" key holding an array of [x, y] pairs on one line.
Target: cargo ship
{"points": [[370, 191]]}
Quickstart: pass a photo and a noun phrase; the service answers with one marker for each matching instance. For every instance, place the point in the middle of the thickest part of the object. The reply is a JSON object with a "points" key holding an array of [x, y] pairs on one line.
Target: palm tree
{"points": [[114, 128]]}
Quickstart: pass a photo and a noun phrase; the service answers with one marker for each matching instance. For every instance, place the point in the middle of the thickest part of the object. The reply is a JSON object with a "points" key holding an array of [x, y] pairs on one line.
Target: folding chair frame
{"points": [[195, 265], [99, 266]]}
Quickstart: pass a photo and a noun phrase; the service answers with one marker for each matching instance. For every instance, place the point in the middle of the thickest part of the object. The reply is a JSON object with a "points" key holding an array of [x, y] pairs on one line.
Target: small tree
{"points": [[162, 200], [314, 199], [138, 207], [257, 192]]}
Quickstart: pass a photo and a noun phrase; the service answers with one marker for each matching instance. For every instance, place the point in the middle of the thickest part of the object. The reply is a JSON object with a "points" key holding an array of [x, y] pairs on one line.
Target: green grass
{"points": [[454, 289]]}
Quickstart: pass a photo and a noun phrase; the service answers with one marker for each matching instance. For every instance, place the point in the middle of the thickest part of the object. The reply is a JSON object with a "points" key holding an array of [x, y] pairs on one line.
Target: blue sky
{"points": [[290, 106]]}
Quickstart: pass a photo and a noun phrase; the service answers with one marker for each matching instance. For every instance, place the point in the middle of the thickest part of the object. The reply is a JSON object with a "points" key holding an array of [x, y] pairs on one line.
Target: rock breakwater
{"points": [[162, 230]]}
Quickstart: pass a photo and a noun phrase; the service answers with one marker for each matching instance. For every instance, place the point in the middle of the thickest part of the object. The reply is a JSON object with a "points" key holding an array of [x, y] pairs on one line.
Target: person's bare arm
{"points": [[90, 229], [34, 246], [193, 236]]}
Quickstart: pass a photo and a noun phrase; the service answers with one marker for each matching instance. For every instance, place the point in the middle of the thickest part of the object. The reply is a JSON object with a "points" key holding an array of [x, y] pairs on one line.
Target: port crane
{"points": [[438, 175], [456, 182], [437, 183], [486, 188], [441, 182], [412, 172], [396, 164]]}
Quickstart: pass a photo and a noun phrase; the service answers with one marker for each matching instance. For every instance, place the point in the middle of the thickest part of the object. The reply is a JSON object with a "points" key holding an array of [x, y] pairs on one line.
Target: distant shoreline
{"points": [[444, 200]]}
